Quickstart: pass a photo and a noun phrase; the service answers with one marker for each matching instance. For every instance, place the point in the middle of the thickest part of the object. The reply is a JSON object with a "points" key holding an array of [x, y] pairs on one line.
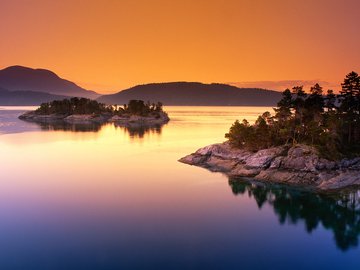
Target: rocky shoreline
{"points": [[127, 120], [298, 165]]}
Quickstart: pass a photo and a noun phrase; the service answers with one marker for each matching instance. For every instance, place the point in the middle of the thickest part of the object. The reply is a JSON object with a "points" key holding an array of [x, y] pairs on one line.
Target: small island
{"points": [[312, 141], [86, 111]]}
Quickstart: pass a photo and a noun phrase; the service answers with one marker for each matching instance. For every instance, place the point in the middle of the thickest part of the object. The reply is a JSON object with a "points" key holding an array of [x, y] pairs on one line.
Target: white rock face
{"points": [[263, 158], [297, 165], [223, 150]]}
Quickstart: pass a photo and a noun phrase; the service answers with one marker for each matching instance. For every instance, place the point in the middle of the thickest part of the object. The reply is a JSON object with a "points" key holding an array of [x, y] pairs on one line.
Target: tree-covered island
{"points": [[312, 140], [83, 110], [331, 123]]}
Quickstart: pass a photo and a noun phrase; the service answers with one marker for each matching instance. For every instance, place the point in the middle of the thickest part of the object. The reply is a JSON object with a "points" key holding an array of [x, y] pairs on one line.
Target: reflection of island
{"points": [[339, 213], [74, 127], [134, 130], [138, 131]]}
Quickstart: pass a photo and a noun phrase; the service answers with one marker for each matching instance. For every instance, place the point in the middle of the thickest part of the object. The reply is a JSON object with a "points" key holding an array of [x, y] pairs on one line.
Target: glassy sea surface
{"points": [[109, 197]]}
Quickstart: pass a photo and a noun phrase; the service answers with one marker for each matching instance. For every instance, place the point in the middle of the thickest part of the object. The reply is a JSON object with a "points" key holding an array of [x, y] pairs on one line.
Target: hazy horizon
{"points": [[268, 85]]}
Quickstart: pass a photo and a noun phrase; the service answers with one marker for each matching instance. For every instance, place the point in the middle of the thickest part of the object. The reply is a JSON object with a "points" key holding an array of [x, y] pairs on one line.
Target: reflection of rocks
{"points": [[136, 126], [133, 130], [297, 165], [65, 126], [139, 131], [339, 213]]}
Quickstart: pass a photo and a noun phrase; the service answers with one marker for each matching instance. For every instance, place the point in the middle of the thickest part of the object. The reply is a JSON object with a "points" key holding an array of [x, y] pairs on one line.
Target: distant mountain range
{"points": [[25, 98], [33, 81], [194, 93], [26, 86]]}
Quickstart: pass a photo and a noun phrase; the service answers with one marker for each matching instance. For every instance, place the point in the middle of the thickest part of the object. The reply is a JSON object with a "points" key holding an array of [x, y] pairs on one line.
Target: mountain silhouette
{"points": [[19, 78], [195, 94], [27, 86], [25, 98]]}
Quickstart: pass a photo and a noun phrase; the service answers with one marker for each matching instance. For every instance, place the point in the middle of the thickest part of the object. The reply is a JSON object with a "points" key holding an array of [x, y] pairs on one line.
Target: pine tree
{"points": [[283, 110], [350, 105], [330, 101], [299, 102], [314, 104]]}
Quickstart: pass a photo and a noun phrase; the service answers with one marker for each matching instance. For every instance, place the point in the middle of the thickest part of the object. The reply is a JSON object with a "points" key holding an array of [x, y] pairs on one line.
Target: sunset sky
{"points": [[109, 45]]}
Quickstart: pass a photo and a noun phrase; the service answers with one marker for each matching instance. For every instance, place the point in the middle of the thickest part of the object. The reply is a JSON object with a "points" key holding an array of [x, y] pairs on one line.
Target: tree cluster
{"points": [[87, 106], [139, 107], [73, 106], [329, 122]]}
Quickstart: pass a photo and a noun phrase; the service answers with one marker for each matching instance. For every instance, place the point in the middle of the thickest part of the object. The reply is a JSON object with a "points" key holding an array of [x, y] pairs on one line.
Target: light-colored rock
{"points": [[219, 164], [263, 158], [297, 165], [225, 151], [288, 177], [85, 118], [344, 179], [31, 116], [276, 163], [137, 120], [243, 170]]}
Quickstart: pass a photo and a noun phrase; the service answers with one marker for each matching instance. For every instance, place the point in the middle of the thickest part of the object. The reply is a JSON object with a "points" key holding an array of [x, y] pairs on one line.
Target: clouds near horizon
{"points": [[284, 84]]}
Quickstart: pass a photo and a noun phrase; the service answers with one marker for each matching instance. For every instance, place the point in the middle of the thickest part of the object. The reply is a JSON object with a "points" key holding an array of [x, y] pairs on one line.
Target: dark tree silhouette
{"points": [[87, 106], [331, 123], [350, 105]]}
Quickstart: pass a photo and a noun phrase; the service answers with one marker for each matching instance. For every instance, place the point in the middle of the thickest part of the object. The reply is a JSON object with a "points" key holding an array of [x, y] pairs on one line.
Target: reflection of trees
{"points": [[64, 126], [138, 131], [339, 213], [134, 130]]}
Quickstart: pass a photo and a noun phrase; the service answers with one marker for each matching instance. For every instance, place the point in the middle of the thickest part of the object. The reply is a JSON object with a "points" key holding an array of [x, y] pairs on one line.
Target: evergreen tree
{"points": [[330, 101], [283, 110], [350, 105], [350, 93], [310, 119], [299, 104], [314, 104]]}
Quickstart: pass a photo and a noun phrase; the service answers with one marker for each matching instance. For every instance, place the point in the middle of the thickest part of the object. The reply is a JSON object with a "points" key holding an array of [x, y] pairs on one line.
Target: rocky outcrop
{"points": [[297, 165], [155, 119], [126, 120]]}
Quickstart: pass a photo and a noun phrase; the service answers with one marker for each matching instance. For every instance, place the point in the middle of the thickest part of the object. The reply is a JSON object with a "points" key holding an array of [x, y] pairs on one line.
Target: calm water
{"points": [[106, 197]]}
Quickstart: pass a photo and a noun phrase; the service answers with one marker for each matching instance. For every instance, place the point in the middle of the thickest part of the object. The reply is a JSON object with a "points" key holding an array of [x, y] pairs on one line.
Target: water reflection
{"points": [[134, 131], [64, 126], [339, 213], [139, 131]]}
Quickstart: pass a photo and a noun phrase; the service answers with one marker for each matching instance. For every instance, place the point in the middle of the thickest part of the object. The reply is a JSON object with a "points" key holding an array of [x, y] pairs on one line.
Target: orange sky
{"points": [[108, 45]]}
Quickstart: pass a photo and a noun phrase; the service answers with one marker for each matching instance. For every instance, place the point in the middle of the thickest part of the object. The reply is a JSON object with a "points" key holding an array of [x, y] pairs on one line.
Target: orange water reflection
{"points": [[110, 169]]}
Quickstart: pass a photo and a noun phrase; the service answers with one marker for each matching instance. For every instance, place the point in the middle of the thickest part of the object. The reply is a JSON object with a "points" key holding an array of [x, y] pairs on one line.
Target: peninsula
{"points": [[83, 111], [312, 141]]}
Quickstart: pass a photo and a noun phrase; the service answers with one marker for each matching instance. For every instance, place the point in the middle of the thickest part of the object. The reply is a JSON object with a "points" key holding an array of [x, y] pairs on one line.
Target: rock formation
{"points": [[296, 165]]}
